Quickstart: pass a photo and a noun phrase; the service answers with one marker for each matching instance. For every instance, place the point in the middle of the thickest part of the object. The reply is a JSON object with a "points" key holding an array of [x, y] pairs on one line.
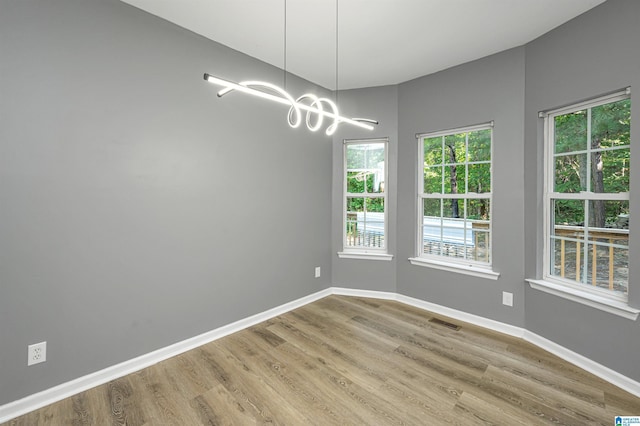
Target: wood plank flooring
{"points": [[348, 360]]}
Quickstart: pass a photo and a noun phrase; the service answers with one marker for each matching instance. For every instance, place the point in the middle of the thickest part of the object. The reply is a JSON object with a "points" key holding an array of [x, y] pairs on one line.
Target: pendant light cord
{"points": [[336, 52], [285, 46]]}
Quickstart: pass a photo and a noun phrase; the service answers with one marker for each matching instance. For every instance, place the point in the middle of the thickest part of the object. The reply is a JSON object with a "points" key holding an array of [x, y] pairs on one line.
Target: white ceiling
{"points": [[380, 42]]}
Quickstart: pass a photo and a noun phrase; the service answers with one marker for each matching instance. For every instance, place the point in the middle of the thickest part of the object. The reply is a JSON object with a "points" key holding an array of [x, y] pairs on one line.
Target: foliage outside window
{"points": [[454, 192], [365, 196], [587, 195]]}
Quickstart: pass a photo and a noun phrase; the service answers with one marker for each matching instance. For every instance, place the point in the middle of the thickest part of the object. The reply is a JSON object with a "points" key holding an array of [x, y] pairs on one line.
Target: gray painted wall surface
{"points": [[488, 89], [137, 208], [594, 54], [378, 103]]}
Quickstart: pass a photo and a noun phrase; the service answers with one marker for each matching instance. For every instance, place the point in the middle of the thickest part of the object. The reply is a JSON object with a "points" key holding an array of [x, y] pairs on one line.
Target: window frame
{"points": [[559, 284], [465, 266], [361, 252]]}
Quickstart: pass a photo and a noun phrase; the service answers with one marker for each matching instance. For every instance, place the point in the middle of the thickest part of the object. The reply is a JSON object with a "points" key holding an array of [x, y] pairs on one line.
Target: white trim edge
{"points": [[614, 307], [476, 271], [48, 396], [33, 402], [364, 256]]}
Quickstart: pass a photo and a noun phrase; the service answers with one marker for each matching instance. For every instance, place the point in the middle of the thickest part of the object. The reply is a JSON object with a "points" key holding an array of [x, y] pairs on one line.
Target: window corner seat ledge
{"points": [[364, 255], [476, 271], [604, 304]]}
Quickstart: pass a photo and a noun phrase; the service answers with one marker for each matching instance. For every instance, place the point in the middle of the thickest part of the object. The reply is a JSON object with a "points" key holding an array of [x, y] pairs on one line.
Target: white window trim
{"points": [[463, 266], [602, 303], [597, 298], [365, 253]]}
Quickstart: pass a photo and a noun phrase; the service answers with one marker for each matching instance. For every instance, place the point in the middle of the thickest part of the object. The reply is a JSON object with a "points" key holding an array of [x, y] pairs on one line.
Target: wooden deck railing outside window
{"points": [[604, 238]]}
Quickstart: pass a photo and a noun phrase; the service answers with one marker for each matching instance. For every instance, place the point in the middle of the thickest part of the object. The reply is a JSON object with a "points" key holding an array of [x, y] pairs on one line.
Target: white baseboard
{"points": [[498, 326], [605, 373], [65, 390], [574, 358]]}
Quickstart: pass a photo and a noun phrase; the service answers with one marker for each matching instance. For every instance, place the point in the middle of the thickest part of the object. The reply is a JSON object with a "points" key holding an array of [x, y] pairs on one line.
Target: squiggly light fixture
{"points": [[315, 106]]}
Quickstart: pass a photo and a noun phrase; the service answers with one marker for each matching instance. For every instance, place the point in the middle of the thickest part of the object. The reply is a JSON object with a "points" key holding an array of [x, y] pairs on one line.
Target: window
{"points": [[454, 197], [365, 200], [587, 148]]}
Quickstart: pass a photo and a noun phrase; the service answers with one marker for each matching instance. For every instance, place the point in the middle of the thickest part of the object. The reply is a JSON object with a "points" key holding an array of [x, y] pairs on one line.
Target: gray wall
{"points": [[488, 89], [129, 192], [137, 208], [591, 55], [378, 103]]}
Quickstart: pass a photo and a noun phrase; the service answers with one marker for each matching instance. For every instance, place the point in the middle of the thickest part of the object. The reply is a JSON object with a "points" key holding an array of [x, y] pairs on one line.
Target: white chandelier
{"points": [[307, 102]]}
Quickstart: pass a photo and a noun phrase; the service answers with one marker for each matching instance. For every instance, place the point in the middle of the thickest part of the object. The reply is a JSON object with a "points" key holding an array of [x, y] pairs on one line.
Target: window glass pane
{"points": [[568, 234], [355, 204], [608, 268], [481, 244], [354, 221], [431, 226], [374, 158], [568, 212], [571, 132], [433, 151], [355, 156], [479, 178], [355, 182], [453, 208], [373, 226], [352, 229], [455, 241], [454, 177], [431, 207], [617, 219], [480, 145], [365, 222], [478, 209], [610, 171], [611, 217], [433, 180], [365, 168], [375, 205], [610, 124], [455, 148], [554, 268], [620, 270], [570, 173]]}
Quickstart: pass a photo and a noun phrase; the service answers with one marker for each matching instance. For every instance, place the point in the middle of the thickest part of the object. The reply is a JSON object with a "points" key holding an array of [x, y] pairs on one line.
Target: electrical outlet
{"points": [[37, 353], [507, 298], [317, 272]]}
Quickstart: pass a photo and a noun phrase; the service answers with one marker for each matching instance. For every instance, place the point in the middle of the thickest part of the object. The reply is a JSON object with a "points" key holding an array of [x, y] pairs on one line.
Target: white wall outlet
{"points": [[37, 353], [507, 298], [317, 272]]}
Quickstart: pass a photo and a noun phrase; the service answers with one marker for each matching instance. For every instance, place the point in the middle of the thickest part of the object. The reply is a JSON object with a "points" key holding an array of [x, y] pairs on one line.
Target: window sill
{"points": [[476, 271], [364, 255], [604, 304]]}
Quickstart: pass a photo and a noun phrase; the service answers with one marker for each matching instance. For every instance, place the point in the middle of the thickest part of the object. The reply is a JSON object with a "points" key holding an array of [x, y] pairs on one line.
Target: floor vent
{"points": [[444, 323]]}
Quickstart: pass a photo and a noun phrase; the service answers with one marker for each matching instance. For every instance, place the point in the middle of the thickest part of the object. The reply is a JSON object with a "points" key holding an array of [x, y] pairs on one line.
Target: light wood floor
{"points": [[347, 360]]}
